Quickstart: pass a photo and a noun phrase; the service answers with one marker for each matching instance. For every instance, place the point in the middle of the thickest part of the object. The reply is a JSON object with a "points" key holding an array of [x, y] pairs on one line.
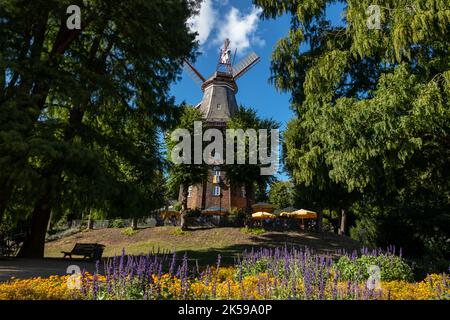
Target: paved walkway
{"points": [[30, 268]]}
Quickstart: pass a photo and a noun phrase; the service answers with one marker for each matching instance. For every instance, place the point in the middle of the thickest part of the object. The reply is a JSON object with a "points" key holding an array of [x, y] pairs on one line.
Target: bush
{"points": [[253, 231], [253, 268], [129, 232], [236, 217], [116, 223], [178, 206], [178, 232], [392, 267]]}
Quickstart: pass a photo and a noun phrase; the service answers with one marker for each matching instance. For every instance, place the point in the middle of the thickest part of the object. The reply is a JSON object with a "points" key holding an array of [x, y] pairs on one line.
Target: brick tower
{"points": [[218, 106]]}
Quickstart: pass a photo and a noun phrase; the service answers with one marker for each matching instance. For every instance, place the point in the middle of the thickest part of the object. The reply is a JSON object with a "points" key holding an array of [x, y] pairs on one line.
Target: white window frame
{"points": [[216, 191], [243, 192], [190, 191]]}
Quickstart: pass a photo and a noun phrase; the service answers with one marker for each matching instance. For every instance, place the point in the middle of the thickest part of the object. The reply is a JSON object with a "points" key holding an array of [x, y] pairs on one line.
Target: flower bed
{"points": [[266, 274]]}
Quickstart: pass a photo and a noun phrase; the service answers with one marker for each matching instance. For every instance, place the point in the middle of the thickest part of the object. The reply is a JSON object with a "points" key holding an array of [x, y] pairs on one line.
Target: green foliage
{"points": [[129, 232], [116, 223], [185, 174], [249, 175], [372, 130], [252, 269], [177, 206], [391, 267], [236, 217], [82, 111], [178, 232], [282, 194], [254, 231]]}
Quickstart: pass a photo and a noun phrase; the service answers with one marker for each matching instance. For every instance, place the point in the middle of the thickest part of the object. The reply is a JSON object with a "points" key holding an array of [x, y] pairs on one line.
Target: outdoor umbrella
{"points": [[263, 215], [284, 211], [263, 206], [302, 214], [215, 211]]}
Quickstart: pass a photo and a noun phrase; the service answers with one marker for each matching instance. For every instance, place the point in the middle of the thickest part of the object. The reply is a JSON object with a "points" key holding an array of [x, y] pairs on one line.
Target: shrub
{"points": [[178, 206], [116, 223], [178, 232], [306, 276], [253, 231], [236, 217], [391, 267], [129, 232]]}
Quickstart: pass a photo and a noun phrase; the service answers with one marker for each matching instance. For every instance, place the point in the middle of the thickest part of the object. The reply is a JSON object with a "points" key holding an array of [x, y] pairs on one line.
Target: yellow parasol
{"points": [[263, 206], [284, 211], [284, 215], [263, 215], [302, 214]]}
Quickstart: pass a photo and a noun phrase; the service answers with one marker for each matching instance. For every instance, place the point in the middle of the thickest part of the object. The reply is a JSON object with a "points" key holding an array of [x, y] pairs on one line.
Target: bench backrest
{"points": [[86, 248]]}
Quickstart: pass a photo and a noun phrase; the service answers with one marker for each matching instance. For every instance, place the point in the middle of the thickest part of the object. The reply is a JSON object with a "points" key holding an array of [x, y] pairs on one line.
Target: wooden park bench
{"points": [[91, 251]]}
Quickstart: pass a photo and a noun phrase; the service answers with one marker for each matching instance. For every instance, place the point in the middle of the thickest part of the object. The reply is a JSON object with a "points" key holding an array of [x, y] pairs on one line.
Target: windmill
{"points": [[219, 90], [218, 106]]}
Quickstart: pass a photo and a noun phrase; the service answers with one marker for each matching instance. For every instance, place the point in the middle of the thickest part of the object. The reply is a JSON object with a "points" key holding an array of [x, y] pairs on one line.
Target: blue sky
{"points": [[239, 21], [254, 88]]}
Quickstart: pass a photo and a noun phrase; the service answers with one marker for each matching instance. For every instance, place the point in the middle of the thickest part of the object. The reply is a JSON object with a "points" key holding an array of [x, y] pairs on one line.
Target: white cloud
{"points": [[204, 22], [240, 29]]}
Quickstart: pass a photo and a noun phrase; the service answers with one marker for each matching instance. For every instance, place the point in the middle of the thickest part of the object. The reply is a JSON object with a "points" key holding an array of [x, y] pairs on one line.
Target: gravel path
{"points": [[30, 268]]}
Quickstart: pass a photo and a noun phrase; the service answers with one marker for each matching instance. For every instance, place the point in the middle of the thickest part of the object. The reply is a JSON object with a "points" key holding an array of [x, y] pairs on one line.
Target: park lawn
{"points": [[202, 244]]}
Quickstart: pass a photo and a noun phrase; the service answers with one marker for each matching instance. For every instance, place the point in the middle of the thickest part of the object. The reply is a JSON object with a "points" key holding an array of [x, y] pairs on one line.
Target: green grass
{"points": [[254, 231], [202, 245]]}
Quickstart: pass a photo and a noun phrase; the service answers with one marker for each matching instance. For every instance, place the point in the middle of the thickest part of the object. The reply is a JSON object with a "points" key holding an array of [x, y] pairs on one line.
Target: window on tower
{"points": [[243, 192], [216, 176], [190, 191], [219, 106], [216, 191]]}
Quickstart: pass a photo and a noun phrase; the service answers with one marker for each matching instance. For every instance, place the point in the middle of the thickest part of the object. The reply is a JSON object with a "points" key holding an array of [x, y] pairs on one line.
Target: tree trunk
{"points": [[49, 225], [34, 244], [343, 225], [2, 208], [90, 223], [248, 204], [183, 213], [248, 198], [5, 194], [319, 226], [134, 223]]}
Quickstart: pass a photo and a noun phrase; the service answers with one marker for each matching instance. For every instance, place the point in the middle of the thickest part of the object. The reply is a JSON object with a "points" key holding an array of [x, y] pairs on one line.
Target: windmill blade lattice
{"points": [[193, 73], [245, 64]]}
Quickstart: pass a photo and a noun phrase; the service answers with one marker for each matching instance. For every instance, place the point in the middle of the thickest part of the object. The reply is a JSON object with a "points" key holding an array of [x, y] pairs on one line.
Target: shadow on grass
{"points": [[319, 243]]}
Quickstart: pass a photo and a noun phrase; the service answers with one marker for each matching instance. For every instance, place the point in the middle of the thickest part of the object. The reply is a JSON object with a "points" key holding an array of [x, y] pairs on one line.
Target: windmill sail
{"points": [[245, 64], [193, 73]]}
